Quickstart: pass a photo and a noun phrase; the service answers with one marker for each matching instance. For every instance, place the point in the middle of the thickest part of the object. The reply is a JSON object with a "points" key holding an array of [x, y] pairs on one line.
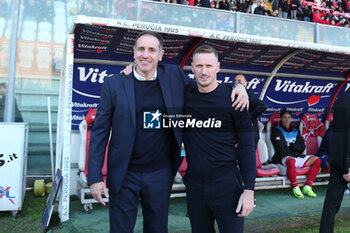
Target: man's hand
{"points": [[246, 203], [242, 100], [127, 70], [347, 176], [97, 189]]}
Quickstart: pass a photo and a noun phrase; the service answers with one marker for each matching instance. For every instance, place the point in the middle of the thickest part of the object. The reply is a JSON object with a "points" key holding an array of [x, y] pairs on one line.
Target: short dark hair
{"points": [[241, 75], [150, 33], [285, 111], [206, 49], [3, 85]]}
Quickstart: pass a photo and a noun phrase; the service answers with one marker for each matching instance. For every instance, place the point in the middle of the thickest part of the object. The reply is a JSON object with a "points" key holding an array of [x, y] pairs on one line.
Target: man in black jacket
{"points": [[339, 160], [256, 106]]}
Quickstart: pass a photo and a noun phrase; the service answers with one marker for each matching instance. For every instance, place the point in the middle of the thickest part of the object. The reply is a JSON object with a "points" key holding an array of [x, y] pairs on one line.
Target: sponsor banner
{"points": [[88, 80], [317, 63], [300, 96], [12, 159], [87, 83], [205, 33], [255, 83], [111, 43]]}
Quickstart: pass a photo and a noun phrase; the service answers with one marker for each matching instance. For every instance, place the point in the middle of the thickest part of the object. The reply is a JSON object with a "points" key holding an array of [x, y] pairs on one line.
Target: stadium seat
{"points": [[274, 121], [262, 157], [329, 120], [44, 36], [45, 27], [85, 130], [183, 167], [2, 26], [59, 37], [44, 57], [312, 130], [59, 5], [26, 56]]}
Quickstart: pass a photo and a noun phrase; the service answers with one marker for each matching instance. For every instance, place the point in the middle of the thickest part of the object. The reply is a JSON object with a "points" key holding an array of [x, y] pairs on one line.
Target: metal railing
{"points": [[229, 21]]}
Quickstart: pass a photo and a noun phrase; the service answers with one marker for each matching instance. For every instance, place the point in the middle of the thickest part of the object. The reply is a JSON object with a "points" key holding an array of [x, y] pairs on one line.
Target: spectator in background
{"points": [[4, 8], [267, 12], [223, 4], [346, 6], [46, 11], [259, 10], [306, 13], [232, 5], [203, 3], [289, 146], [242, 5], [285, 9], [294, 5], [277, 5], [18, 114]]}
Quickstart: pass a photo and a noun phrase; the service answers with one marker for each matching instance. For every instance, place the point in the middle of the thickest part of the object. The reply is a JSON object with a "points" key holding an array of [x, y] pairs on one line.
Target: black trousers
{"points": [[335, 192], [152, 190], [214, 198]]}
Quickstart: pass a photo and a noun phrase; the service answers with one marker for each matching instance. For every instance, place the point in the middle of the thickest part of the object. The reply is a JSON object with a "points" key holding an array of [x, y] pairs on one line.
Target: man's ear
{"points": [[161, 55], [218, 68]]}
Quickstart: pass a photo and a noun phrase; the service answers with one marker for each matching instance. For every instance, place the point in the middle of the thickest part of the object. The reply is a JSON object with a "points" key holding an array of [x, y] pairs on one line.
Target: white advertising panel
{"points": [[12, 165]]}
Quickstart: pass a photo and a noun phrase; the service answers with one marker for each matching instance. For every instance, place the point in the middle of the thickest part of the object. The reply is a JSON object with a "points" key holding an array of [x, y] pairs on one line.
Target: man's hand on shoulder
{"points": [[97, 189], [127, 70], [246, 203], [239, 97]]}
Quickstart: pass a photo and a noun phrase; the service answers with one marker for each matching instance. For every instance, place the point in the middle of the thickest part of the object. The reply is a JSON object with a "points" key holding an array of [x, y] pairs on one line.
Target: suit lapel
{"points": [[166, 91], [130, 93]]}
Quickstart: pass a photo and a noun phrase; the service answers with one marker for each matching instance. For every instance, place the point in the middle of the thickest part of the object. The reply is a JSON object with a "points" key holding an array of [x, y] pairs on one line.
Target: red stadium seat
{"points": [[85, 132], [261, 157], [183, 167], [312, 130], [329, 120]]}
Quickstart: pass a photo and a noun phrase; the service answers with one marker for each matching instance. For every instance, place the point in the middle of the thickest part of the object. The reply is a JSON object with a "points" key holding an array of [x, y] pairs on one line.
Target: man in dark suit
{"points": [[256, 107], [142, 157], [339, 160]]}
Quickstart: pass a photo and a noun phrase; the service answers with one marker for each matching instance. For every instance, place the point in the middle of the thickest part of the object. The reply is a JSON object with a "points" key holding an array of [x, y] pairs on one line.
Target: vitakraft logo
{"points": [[152, 119], [5, 192], [93, 73]]}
